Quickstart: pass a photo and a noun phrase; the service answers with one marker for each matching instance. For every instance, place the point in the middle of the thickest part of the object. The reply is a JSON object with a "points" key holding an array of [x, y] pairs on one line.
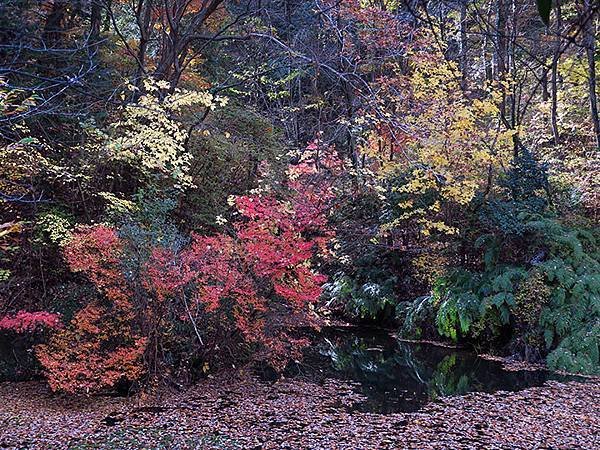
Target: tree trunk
{"points": [[463, 43], [143, 14], [500, 53], [53, 26], [554, 75], [95, 20], [590, 48]]}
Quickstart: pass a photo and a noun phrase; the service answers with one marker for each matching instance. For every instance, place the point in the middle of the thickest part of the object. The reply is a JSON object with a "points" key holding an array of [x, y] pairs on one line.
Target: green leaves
{"points": [[554, 301], [373, 299], [544, 8]]}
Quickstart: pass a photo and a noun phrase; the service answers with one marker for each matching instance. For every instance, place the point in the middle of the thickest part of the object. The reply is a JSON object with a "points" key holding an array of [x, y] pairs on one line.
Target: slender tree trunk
{"points": [[95, 22], [554, 75], [506, 32], [590, 48], [488, 65], [512, 27], [501, 50], [144, 22], [54, 22], [463, 43]]}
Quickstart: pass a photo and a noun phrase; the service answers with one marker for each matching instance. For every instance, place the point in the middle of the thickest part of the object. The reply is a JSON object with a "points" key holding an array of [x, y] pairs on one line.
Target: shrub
{"points": [[97, 350], [537, 278], [235, 291], [29, 322], [19, 332], [558, 298]]}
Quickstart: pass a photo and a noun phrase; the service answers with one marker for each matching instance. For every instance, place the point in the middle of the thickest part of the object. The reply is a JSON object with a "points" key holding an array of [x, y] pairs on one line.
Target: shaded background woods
{"points": [[187, 185]]}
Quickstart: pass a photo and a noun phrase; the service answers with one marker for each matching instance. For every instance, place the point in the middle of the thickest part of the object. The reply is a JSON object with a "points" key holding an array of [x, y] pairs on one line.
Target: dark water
{"points": [[400, 376]]}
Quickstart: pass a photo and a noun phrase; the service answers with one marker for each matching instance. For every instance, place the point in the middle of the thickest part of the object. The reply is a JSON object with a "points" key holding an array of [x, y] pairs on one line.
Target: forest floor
{"points": [[242, 412]]}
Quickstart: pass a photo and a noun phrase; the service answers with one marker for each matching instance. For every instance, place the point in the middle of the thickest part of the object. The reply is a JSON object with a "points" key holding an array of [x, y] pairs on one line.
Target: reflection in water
{"points": [[400, 376]]}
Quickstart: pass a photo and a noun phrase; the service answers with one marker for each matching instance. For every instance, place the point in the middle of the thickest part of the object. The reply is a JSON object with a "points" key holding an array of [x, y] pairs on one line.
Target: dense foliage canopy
{"points": [[192, 185]]}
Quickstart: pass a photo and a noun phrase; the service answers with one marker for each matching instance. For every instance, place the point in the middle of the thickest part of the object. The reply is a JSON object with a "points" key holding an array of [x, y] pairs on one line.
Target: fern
{"points": [[549, 301], [559, 298], [365, 301]]}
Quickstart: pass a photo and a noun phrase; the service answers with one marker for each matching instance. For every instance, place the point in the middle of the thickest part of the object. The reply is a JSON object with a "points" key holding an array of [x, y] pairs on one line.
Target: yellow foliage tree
{"points": [[444, 141], [150, 134]]}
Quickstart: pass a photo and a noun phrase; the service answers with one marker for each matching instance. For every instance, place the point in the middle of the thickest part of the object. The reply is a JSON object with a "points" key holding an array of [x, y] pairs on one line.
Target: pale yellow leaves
{"points": [[150, 135], [448, 142]]}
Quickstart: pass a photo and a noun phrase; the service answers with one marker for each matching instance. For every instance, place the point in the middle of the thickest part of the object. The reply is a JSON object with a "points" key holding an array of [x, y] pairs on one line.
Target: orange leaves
{"points": [[96, 252], [96, 351], [251, 286], [99, 347], [164, 275]]}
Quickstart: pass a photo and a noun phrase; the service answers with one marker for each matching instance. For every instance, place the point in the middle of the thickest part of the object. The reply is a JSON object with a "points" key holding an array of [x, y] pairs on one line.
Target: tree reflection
{"points": [[401, 376]]}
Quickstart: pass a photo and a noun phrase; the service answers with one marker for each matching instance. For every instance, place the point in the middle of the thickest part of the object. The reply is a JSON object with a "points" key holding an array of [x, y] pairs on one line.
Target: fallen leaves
{"points": [[235, 411]]}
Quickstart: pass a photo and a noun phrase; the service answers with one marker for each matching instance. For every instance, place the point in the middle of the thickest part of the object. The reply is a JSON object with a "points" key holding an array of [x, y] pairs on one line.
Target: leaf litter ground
{"points": [[234, 411]]}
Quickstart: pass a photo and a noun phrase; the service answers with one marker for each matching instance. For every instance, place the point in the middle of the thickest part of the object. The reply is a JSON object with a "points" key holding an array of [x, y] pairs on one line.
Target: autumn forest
{"points": [[302, 224]]}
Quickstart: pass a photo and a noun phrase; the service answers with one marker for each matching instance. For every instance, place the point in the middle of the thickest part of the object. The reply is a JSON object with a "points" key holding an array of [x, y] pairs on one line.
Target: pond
{"points": [[399, 376]]}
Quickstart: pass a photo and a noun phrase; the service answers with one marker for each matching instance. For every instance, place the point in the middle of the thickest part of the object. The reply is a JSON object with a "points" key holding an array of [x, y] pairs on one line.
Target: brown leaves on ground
{"points": [[235, 412]]}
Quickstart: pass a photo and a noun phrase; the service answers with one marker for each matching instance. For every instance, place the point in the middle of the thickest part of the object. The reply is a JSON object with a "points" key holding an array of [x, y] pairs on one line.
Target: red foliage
{"points": [[164, 274], [378, 29], [100, 346], [223, 285], [96, 251], [239, 275], [256, 284], [261, 276], [96, 351], [28, 322]]}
